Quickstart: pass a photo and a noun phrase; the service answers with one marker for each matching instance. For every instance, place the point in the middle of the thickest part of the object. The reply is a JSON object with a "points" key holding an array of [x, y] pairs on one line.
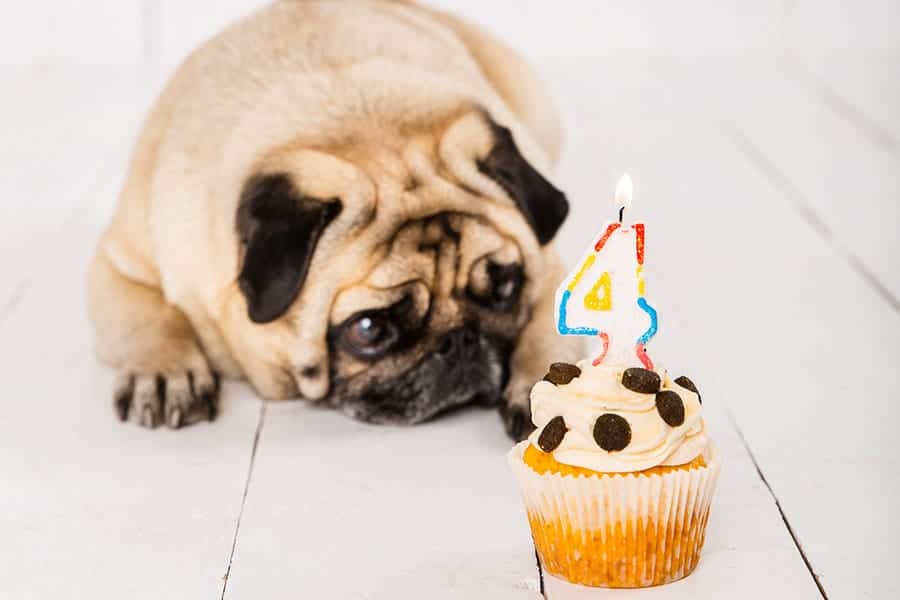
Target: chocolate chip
{"points": [[641, 381], [670, 407], [562, 373], [612, 432], [689, 385], [553, 434]]}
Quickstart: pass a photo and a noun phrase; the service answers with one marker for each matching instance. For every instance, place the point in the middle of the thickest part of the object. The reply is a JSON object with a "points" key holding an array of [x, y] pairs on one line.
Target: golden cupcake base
{"points": [[618, 530], [626, 554]]}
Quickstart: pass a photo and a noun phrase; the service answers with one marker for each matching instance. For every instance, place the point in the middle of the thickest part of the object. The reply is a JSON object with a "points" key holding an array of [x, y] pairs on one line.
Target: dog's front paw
{"points": [[516, 412], [174, 399]]}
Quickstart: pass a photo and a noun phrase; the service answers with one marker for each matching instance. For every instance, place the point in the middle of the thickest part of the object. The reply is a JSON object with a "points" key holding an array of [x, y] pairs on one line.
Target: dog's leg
{"points": [[163, 374], [539, 345]]}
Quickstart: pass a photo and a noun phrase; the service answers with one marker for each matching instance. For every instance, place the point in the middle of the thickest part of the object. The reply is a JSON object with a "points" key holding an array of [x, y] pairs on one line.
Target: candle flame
{"points": [[623, 191]]}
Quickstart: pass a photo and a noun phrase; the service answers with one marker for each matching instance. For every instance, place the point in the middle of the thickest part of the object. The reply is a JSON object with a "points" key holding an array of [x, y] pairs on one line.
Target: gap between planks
{"points": [[237, 526], [679, 313], [797, 202], [839, 106], [787, 523], [749, 151]]}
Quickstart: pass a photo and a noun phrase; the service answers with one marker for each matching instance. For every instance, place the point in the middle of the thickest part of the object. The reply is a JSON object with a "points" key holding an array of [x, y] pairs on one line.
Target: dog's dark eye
{"points": [[369, 335]]}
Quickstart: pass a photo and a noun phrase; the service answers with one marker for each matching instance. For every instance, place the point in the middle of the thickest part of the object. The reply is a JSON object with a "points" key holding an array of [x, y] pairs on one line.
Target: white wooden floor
{"points": [[772, 195]]}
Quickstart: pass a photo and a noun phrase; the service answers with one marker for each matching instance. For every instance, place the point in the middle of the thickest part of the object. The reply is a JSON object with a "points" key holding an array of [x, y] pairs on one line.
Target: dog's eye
{"points": [[369, 335]]}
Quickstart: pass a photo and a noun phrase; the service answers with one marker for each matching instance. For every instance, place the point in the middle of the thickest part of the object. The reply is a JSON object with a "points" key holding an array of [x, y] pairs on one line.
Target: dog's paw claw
{"points": [[174, 400], [206, 390], [148, 418], [174, 418], [122, 396], [517, 421], [211, 401]]}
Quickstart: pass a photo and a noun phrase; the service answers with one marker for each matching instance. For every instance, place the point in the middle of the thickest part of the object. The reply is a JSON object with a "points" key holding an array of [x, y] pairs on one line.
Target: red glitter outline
{"points": [[639, 242], [641, 351], [602, 241], [603, 336]]}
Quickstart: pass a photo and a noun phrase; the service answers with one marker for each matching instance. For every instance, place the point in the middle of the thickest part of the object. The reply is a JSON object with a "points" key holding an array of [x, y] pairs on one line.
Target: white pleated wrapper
{"points": [[678, 498]]}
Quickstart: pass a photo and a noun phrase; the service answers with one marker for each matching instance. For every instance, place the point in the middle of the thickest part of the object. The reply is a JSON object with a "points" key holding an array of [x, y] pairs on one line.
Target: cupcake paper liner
{"points": [[618, 530]]}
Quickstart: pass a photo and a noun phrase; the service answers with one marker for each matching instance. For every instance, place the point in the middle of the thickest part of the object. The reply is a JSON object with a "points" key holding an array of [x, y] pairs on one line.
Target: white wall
{"points": [[160, 32]]}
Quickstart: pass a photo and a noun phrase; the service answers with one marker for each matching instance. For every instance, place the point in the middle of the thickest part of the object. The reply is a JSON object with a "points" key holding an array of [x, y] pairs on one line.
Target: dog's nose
{"points": [[459, 343], [502, 286]]}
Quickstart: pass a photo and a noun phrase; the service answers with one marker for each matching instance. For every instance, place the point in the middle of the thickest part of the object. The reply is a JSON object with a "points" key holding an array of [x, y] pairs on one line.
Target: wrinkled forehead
{"points": [[391, 179], [438, 256], [430, 156]]}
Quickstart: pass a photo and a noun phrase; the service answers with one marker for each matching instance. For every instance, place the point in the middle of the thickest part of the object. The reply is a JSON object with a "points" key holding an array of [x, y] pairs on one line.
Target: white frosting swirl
{"points": [[598, 390]]}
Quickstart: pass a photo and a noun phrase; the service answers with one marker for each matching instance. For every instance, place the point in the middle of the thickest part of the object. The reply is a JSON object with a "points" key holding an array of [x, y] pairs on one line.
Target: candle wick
{"points": [[621, 213]]}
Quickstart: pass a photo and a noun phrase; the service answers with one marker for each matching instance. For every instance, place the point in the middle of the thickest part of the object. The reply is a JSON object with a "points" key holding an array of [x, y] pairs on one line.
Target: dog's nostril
{"points": [[458, 340], [446, 346], [505, 290], [506, 283]]}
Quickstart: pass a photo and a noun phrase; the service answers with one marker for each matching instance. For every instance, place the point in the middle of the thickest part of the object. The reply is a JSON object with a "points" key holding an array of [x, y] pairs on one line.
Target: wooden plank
{"points": [[789, 329], [830, 169], [445, 521], [90, 505], [845, 343], [863, 90], [362, 511]]}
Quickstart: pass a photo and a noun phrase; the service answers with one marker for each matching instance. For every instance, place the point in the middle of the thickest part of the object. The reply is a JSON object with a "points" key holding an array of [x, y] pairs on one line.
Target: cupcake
{"points": [[618, 477]]}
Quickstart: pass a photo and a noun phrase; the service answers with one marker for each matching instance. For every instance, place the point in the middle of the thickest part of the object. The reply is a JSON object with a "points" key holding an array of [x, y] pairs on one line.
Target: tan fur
{"points": [[377, 103]]}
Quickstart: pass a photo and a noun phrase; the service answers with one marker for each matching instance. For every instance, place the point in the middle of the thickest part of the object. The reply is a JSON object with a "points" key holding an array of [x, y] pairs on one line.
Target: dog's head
{"points": [[390, 273]]}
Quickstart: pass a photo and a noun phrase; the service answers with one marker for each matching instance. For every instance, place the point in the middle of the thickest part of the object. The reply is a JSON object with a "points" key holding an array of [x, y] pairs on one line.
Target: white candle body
{"points": [[613, 270]]}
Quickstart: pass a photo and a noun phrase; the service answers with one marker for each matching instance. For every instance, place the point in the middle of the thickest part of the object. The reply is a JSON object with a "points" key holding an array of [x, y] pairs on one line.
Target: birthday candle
{"points": [[604, 295]]}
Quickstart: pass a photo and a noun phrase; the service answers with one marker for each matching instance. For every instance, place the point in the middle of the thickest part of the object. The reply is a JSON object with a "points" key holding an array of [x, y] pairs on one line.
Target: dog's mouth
{"points": [[384, 410], [468, 368]]}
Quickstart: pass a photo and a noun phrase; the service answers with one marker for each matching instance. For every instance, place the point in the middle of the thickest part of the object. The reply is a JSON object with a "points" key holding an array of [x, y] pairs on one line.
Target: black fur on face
{"points": [[464, 365], [544, 207], [278, 229]]}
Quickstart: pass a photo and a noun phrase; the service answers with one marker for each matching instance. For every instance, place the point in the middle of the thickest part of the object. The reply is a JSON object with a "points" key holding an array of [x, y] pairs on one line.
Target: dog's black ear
{"points": [[545, 207], [278, 228]]}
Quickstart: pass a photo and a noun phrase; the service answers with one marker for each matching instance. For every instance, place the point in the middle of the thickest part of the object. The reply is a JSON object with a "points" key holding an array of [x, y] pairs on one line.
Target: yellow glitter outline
{"points": [[593, 301], [584, 267]]}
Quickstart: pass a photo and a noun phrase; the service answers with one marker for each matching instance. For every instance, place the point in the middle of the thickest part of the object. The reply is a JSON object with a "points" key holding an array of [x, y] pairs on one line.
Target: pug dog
{"points": [[349, 202]]}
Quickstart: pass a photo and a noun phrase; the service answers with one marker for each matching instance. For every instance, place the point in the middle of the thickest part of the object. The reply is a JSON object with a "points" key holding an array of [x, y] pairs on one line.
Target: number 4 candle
{"points": [[604, 295]]}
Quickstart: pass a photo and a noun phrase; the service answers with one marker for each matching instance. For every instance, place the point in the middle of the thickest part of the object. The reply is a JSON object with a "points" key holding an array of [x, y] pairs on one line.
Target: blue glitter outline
{"points": [[561, 324], [651, 331]]}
